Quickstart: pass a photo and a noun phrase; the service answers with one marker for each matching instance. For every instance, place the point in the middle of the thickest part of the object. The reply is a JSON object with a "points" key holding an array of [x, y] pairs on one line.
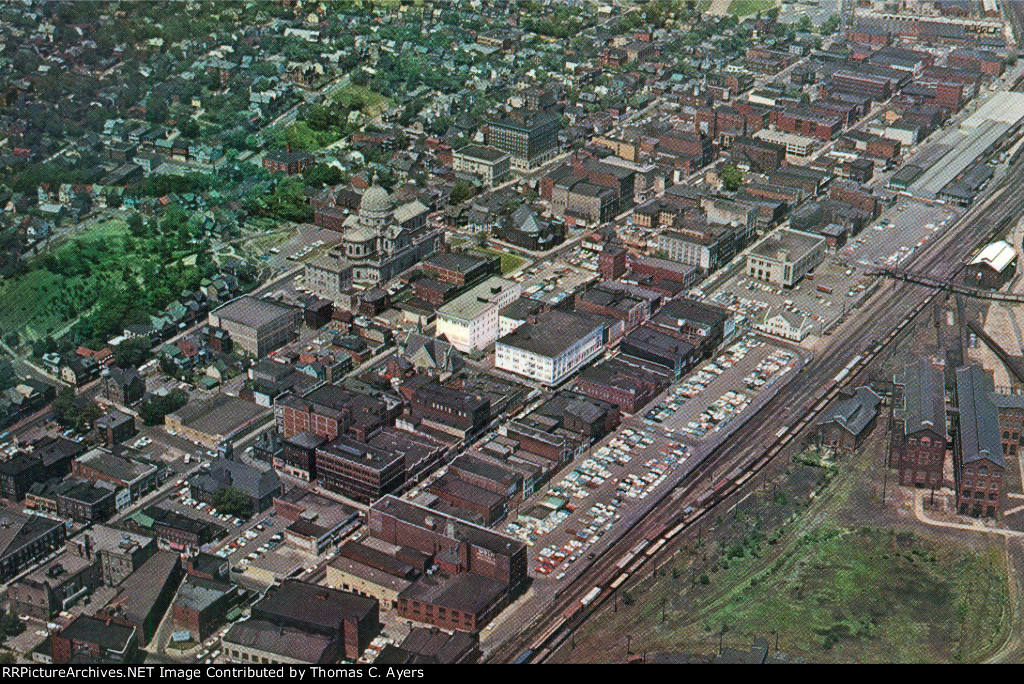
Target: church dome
{"points": [[376, 200]]}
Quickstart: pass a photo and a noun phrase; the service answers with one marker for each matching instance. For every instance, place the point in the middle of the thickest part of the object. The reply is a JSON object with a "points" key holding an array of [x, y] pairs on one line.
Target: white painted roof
{"points": [[998, 255]]}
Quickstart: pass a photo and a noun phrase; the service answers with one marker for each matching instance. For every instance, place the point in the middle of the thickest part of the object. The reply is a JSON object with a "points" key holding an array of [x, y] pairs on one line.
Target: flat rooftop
{"points": [[553, 333], [252, 311], [473, 534], [797, 243]]}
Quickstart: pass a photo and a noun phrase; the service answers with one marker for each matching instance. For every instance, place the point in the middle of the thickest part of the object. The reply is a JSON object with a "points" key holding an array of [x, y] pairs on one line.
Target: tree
{"points": [[232, 501], [133, 352], [155, 407], [732, 178], [11, 625], [72, 414], [462, 192]]}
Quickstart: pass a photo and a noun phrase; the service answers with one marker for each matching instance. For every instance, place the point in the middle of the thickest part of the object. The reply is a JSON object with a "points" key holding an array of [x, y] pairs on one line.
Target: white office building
{"points": [[553, 348], [470, 321]]}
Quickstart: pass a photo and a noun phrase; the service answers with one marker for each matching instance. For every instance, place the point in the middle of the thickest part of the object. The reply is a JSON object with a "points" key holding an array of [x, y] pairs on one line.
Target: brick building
{"points": [[919, 439]]}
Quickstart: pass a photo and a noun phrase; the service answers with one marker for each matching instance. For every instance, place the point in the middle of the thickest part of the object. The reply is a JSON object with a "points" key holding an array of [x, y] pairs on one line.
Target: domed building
{"points": [[380, 241]]}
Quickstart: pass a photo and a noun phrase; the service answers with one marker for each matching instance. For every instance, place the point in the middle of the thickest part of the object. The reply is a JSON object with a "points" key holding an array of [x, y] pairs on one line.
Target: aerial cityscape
{"points": [[400, 333]]}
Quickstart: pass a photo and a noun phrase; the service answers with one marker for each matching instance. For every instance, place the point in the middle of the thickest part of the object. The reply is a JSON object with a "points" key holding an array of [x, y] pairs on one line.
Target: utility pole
{"points": [[628, 644]]}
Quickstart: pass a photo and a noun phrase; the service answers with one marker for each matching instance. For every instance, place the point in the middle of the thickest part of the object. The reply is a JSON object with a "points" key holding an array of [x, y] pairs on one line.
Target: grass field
{"points": [[509, 262], [742, 8], [369, 101], [30, 299], [864, 595], [814, 557]]}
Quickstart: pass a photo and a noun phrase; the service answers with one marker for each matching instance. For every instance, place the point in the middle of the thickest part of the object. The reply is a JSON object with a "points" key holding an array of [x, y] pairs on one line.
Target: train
{"points": [[724, 488]]}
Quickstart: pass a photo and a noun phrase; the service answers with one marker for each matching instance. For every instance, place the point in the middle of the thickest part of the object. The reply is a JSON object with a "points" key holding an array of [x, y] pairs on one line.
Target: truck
{"points": [[825, 288]]}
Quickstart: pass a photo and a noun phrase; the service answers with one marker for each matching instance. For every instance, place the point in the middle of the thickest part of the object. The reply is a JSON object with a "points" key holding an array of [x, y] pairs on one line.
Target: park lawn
{"points": [[370, 102], [29, 299], [742, 8]]}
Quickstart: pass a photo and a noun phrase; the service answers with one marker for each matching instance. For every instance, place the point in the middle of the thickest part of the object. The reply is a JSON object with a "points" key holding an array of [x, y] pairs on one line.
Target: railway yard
{"points": [[722, 476]]}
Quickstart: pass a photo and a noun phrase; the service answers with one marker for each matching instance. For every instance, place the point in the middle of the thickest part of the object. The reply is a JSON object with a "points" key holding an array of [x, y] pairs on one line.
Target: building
{"points": [[95, 639], [528, 228], [57, 585], [114, 427], [449, 409], [344, 617], [315, 522], [1011, 420], [24, 539], [613, 301], [120, 552], [797, 146], [330, 410], [919, 439], [286, 161], [464, 601], [99, 465], [258, 326], [785, 257], [789, 325], [978, 461], [144, 597], [297, 457], [530, 136], [85, 501], [328, 277], [174, 530], [627, 385], [460, 268], [650, 344], [359, 471], [366, 571], [705, 326], [382, 239], [611, 263], [222, 418], [256, 481], [707, 246], [552, 348], [432, 646], [844, 426], [470, 321], [993, 267], [455, 545], [201, 604], [489, 164], [259, 641]]}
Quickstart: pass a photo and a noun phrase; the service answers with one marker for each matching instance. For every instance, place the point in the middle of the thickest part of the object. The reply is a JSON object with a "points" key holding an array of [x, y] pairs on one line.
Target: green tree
{"points": [[462, 192], [732, 178], [232, 501], [133, 352]]}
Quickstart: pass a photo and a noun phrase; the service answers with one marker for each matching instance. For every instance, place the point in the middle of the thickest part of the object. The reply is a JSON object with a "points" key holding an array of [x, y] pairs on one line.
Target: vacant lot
{"points": [[815, 560], [509, 262]]}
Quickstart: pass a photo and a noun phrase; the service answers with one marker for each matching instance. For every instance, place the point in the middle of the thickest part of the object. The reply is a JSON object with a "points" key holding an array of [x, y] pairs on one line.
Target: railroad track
{"points": [[789, 413]]}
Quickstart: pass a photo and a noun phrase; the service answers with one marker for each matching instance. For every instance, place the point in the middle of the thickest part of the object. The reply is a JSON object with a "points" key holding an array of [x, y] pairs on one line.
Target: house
{"points": [[124, 386], [257, 481], [788, 325], [844, 426]]}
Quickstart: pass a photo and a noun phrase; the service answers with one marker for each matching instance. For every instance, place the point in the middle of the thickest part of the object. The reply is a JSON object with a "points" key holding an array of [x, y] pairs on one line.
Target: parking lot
{"points": [[712, 397], [308, 241], [839, 282], [565, 521]]}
